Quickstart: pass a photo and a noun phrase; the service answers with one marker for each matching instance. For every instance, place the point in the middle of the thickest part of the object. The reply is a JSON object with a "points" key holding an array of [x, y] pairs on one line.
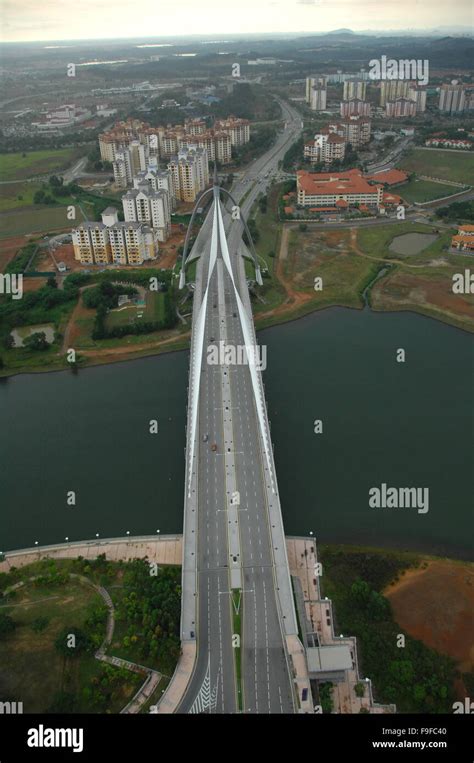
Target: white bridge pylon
{"points": [[218, 236]]}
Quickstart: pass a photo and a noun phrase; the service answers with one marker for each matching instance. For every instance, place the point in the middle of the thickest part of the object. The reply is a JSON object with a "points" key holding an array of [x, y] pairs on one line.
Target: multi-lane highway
{"points": [[237, 598]]}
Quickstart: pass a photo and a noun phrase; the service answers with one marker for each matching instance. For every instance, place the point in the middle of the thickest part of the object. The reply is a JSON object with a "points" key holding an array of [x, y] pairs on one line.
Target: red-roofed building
{"points": [[464, 240], [389, 177], [325, 189]]}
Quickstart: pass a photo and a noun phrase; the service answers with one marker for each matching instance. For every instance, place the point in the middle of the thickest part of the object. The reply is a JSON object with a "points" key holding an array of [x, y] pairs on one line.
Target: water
{"points": [[405, 424], [412, 243]]}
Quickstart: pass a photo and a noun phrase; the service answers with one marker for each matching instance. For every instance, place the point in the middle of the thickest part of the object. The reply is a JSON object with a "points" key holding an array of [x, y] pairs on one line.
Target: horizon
{"points": [[30, 23]]}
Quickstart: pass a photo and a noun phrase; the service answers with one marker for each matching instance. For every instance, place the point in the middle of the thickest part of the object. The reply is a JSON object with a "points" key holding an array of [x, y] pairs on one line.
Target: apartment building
{"points": [[452, 98], [391, 89], [326, 147], [128, 163], [195, 126], [336, 189], [159, 180], [318, 98], [237, 129], [121, 135], [314, 81], [132, 243], [418, 94], [144, 204], [400, 107], [90, 241], [355, 130], [355, 88], [111, 241], [355, 107], [189, 172]]}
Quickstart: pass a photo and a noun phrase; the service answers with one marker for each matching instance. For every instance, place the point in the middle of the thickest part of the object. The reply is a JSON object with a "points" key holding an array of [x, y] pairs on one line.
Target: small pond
{"points": [[22, 332], [412, 243]]}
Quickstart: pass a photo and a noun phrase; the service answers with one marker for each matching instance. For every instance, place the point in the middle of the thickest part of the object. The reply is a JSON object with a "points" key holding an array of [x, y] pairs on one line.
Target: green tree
{"points": [[72, 647], [7, 625], [36, 342], [359, 690]]}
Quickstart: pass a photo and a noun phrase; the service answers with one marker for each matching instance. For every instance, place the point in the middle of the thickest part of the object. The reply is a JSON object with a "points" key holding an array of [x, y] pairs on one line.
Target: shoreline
{"points": [[100, 544], [270, 324]]}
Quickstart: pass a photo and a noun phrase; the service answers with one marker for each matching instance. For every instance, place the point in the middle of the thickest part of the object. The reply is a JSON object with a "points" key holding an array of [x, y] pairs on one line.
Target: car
{"points": [[205, 437], [213, 339], [192, 634], [234, 315]]}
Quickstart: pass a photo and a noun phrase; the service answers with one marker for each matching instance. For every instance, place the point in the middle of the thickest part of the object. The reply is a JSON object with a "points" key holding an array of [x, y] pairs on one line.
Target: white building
{"points": [[190, 173], [148, 206], [318, 98], [355, 88], [452, 98]]}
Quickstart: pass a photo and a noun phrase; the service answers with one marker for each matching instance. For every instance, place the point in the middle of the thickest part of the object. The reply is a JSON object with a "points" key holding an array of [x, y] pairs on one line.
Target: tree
{"points": [[303, 227], [38, 198], [36, 342], [2, 364], [73, 647], [51, 282], [7, 625], [359, 690]]}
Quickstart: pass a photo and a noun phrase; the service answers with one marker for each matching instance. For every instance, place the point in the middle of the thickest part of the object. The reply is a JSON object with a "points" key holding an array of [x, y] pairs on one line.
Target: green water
{"points": [[405, 424]]}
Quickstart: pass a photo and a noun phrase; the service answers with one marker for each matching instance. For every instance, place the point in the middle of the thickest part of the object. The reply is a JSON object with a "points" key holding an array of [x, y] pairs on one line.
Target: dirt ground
{"points": [[436, 605], [402, 287], [33, 284]]}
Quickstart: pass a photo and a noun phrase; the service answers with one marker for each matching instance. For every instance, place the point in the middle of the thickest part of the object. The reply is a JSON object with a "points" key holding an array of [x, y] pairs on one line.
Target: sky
{"points": [[37, 20]]}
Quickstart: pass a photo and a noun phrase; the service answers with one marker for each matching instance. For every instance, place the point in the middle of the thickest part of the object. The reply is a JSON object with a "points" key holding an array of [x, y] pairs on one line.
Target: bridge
{"points": [[237, 599]]}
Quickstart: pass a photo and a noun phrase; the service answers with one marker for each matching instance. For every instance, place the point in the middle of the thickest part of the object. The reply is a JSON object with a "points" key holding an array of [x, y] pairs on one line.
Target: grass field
{"points": [[19, 166], [33, 670], [153, 311], [446, 165], [33, 220], [424, 190]]}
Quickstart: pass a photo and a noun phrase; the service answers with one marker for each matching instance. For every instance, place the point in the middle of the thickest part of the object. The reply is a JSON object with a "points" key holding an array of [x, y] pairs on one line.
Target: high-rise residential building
{"points": [[418, 94], [400, 107], [121, 135], [355, 107], [159, 180], [132, 243], [391, 89], [217, 144], [452, 98], [318, 98], [190, 173], [237, 129], [195, 126], [355, 88], [355, 129], [90, 241], [326, 147], [111, 241], [314, 81], [128, 163], [143, 204]]}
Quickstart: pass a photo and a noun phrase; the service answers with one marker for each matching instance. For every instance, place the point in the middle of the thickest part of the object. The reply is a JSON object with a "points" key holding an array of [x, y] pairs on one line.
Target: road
{"points": [[233, 532]]}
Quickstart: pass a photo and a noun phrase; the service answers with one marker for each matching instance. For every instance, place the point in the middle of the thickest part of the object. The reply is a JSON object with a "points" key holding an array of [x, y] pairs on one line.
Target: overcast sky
{"points": [[31, 20]]}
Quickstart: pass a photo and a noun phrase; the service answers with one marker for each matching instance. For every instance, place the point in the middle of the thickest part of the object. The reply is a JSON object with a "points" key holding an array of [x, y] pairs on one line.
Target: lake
{"points": [[403, 424]]}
